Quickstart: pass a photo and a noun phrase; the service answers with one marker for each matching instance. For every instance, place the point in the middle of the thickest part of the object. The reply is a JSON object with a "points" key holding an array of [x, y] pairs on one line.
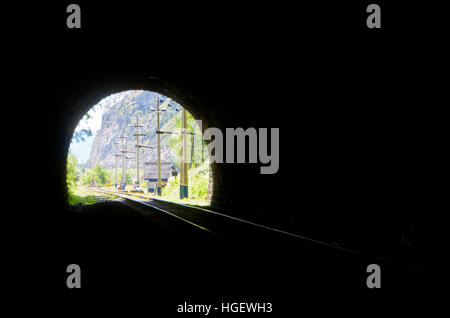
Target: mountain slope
{"points": [[121, 111]]}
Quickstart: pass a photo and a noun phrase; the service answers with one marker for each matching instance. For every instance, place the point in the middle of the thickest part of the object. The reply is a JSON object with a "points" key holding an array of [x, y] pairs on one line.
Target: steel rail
{"points": [[347, 250], [126, 197]]}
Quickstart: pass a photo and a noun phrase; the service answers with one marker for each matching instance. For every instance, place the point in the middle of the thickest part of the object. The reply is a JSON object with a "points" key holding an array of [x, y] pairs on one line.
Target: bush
{"points": [[198, 183], [73, 175], [119, 178], [99, 174]]}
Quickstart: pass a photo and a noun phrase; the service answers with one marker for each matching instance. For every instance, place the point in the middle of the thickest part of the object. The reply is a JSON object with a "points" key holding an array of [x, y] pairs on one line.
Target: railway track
{"points": [[215, 223], [228, 227], [150, 202]]}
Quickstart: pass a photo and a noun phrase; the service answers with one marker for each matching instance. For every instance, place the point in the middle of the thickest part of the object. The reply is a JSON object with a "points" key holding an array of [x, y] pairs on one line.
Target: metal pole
{"points": [[183, 165], [123, 151], [158, 186], [116, 155], [116, 172], [192, 146], [185, 153], [137, 148], [124, 177]]}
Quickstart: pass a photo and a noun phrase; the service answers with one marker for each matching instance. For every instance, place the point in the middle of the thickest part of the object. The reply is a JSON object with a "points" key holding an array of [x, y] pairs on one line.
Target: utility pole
{"points": [[192, 145], [158, 185], [184, 167], [158, 110], [123, 151], [181, 160], [183, 164], [137, 134], [116, 155]]}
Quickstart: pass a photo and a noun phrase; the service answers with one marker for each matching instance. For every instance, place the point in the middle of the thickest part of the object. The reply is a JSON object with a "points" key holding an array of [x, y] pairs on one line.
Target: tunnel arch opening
{"points": [[97, 93]]}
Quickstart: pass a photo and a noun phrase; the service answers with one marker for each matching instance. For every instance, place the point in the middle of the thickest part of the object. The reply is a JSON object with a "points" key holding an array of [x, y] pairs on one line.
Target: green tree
{"points": [[197, 151], [73, 174], [100, 174], [128, 180], [86, 178], [82, 134]]}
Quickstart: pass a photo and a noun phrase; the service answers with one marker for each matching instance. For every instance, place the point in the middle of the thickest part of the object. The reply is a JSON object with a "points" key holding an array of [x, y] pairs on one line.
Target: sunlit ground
{"points": [[169, 196], [87, 196], [83, 195]]}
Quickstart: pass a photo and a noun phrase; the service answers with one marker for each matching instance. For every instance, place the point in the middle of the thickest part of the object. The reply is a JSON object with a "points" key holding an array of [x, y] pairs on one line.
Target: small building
{"points": [[151, 174]]}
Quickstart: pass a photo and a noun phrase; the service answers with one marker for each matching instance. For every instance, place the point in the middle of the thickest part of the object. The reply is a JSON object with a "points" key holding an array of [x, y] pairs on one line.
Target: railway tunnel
{"points": [[320, 191], [348, 171], [239, 189]]}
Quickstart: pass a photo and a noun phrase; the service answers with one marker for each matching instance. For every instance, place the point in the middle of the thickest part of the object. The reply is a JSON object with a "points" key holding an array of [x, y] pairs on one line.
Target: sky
{"points": [[82, 149]]}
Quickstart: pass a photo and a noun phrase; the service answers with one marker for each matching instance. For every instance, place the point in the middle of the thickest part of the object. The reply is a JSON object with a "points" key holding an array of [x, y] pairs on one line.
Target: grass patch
{"points": [[82, 195], [198, 187]]}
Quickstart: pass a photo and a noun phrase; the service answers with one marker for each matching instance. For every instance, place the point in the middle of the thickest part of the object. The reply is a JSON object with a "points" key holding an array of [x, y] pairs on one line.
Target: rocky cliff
{"points": [[119, 117]]}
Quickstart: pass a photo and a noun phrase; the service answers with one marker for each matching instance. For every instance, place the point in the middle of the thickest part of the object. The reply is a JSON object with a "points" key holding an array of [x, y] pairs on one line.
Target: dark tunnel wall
{"points": [[351, 124], [79, 102]]}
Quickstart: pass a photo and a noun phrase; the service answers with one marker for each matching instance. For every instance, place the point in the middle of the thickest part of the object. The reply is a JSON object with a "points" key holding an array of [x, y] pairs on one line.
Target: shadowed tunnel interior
{"points": [[351, 146], [333, 167]]}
